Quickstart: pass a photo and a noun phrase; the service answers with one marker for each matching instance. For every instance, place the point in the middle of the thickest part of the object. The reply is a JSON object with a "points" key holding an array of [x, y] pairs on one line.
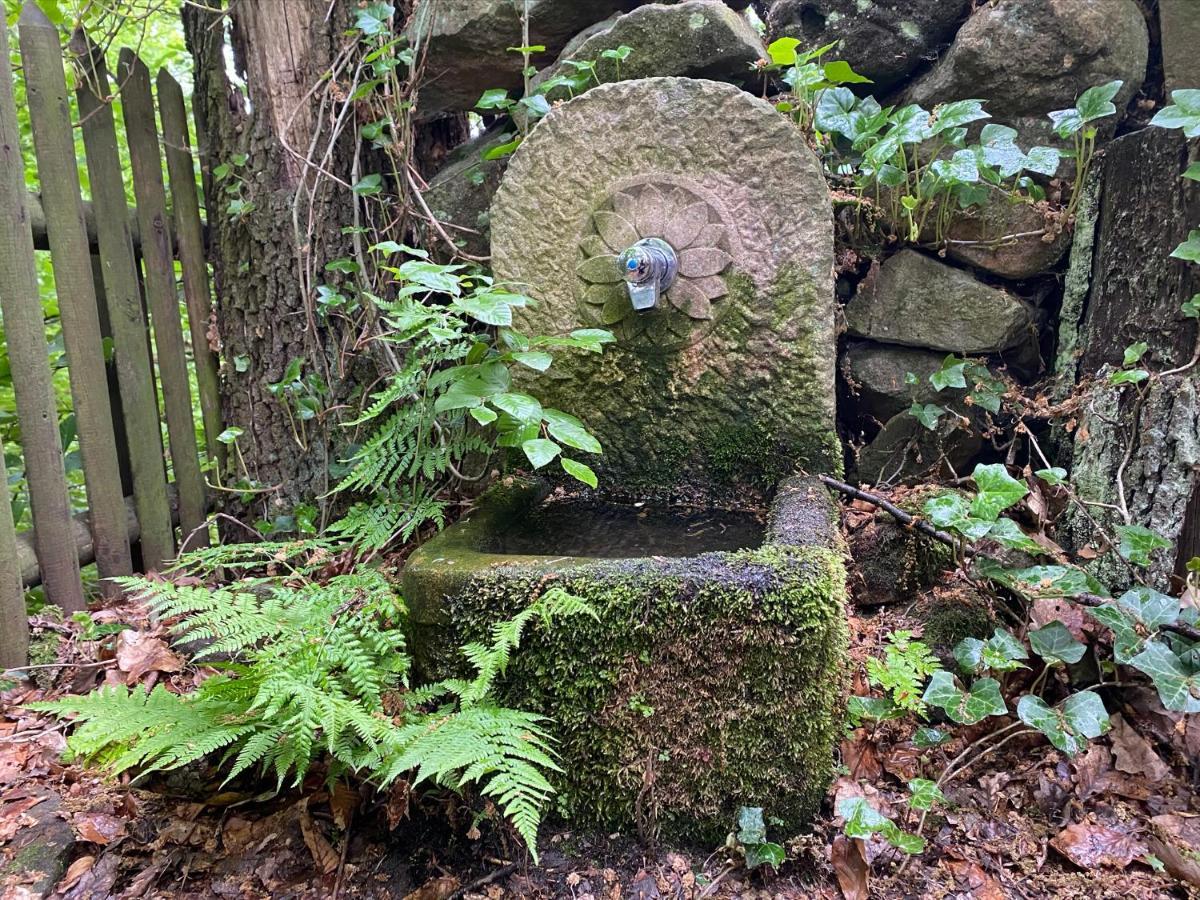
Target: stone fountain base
{"points": [[709, 682]]}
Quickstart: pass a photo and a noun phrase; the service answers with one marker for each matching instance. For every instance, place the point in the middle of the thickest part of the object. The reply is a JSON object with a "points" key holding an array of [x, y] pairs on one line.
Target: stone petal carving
{"points": [[711, 286], [701, 261], [616, 308], [599, 270], [600, 294], [617, 231], [651, 212], [593, 245], [625, 205], [685, 226], [687, 297], [710, 235]]}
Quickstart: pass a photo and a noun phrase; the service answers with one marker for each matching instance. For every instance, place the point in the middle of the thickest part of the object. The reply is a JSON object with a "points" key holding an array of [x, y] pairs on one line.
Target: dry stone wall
{"points": [[992, 285]]}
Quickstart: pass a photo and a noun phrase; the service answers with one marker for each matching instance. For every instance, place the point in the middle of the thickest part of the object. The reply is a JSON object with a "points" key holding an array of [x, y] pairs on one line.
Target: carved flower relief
{"points": [[683, 221]]}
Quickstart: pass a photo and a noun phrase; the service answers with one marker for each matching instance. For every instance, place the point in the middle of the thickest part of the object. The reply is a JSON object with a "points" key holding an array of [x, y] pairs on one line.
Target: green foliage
{"points": [[1075, 124], [1070, 724], [1183, 113], [752, 840], [451, 398], [902, 672], [808, 78], [308, 669], [1055, 644], [863, 821], [969, 706], [1002, 652]]}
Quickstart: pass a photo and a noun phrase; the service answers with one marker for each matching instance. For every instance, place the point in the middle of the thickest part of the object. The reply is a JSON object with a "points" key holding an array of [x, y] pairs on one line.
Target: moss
{"points": [[953, 613], [705, 684]]}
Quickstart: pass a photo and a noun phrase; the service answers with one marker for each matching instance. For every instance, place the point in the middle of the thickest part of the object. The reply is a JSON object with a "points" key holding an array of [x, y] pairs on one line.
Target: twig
{"points": [[487, 879]]}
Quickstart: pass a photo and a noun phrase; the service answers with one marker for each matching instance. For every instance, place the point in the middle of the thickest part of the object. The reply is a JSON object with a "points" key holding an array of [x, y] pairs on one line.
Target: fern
{"points": [[303, 672]]}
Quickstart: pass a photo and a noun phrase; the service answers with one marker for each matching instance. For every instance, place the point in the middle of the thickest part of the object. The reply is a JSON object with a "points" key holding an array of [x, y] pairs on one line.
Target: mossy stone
{"points": [[706, 683]]}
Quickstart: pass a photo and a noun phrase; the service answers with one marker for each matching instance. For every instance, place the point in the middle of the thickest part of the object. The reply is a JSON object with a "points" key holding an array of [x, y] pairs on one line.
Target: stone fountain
{"points": [[693, 221]]}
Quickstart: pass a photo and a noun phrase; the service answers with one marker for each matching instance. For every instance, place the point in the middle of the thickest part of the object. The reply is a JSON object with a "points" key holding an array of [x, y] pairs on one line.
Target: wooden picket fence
{"points": [[114, 275]]}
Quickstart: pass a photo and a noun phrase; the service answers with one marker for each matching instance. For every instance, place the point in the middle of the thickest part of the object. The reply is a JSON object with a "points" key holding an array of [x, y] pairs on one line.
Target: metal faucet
{"points": [[649, 268]]}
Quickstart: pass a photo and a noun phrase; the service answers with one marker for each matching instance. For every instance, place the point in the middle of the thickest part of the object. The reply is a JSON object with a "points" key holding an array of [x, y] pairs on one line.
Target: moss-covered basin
{"points": [[708, 682]]}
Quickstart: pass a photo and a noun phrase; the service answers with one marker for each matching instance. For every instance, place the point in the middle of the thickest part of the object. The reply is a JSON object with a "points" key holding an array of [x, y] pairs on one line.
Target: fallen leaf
{"points": [[139, 653], [1045, 611], [971, 877], [343, 800], [438, 889], [1175, 841], [1091, 770], [98, 828], [323, 854], [859, 756], [74, 872], [1133, 752], [1089, 845], [850, 865]]}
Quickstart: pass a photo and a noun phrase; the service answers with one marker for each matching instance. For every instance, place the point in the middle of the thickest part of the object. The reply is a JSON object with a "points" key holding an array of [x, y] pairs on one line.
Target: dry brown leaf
{"points": [[1175, 841], [850, 866], [323, 854], [74, 872], [1089, 845], [343, 800], [1134, 754], [438, 889], [1046, 611], [859, 756], [98, 827], [971, 877], [139, 653], [1091, 770]]}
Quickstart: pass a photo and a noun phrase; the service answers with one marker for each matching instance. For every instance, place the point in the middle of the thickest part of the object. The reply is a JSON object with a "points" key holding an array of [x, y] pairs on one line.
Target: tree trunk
{"points": [[1137, 449]]}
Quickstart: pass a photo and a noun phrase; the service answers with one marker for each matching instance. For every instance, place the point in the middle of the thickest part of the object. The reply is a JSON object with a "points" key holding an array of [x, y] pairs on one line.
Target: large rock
{"points": [[466, 41], [1002, 238], [875, 375], [461, 192], [907, 451], [696, 38], [917, 301], [1028, 58], [1179, 23], [730, 379], [884, 40]]}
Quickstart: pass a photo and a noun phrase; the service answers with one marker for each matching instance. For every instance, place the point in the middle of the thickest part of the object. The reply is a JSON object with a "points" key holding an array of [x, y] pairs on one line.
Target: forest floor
{"points": [[1120, 820]]}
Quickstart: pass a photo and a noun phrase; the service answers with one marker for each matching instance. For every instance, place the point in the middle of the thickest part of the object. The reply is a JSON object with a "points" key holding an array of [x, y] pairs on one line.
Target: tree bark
{"points": [[269, 248], [1136, 449]]}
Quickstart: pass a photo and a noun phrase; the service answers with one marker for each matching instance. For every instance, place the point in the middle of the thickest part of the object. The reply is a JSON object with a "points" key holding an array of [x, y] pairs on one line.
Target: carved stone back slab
{"points": [[735, 366]]}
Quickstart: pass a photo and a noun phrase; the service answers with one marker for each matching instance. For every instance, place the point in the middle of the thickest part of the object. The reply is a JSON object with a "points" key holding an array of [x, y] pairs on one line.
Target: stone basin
{"points": [[713, 677]]}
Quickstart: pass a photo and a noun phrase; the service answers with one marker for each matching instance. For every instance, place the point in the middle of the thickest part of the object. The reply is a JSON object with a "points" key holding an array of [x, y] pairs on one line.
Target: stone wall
{"points": [[993, 288]]}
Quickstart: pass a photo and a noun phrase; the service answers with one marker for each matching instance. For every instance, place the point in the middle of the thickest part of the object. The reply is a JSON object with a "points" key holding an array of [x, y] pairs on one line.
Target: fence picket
{"points": [[190, 244], [124, 302], [58, 175], [14, 626], [158, 256], [28, 355]]}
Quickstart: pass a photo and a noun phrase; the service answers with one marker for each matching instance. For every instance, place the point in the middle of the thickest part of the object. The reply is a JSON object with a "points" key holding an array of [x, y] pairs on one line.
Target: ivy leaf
{"points": [[997, 491], [1138, 542], [368, 185], [372, 18], [927, 736], [960, 112], [1177, 684], [1096, 102], [950, 375], [540, 451], [863, 820], [879, 708], [494, 98], [840, 72], [927, 414], [1134, 352], [764, 853], [1052, 476], [1007, 533], [1068, 727], [783, 50], [1191, 308], [1184, 113], [1043, 160], [1192, 172], [1055, 644], [1000, 653], [925, 793], [751, 827], [1190, 249], [1128, 376], [1150, 607], [965, 707], [1043, 581]]}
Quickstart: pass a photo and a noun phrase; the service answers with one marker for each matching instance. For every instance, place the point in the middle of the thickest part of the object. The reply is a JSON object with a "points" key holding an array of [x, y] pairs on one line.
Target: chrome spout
{"points": [[649, 268]]}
